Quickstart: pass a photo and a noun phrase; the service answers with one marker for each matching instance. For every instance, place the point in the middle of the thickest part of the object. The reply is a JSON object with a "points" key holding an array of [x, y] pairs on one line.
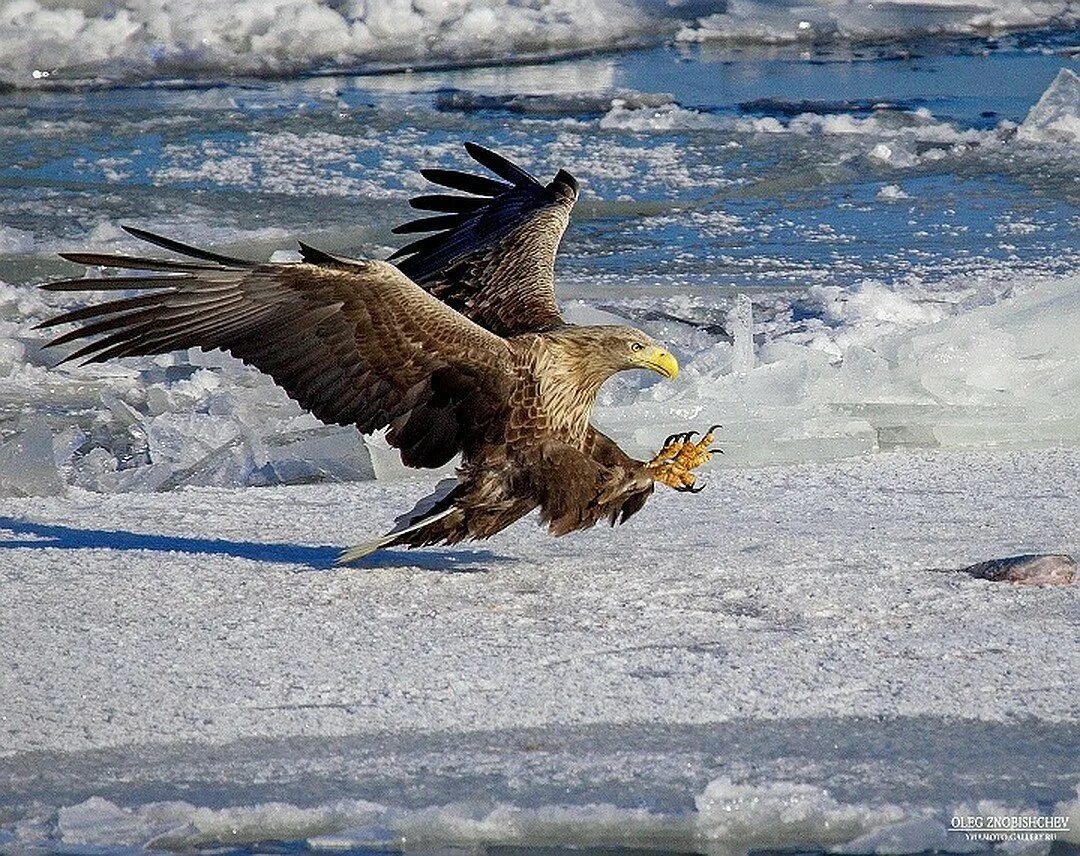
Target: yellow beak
{"points": [[658, 360]]}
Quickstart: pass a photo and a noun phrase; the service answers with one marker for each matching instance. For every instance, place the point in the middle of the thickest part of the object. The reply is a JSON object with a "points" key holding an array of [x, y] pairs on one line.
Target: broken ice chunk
{"points": [[1056, 116], [895, 154], [741, 320], [319, 455], [326, 454], [28, 462]]}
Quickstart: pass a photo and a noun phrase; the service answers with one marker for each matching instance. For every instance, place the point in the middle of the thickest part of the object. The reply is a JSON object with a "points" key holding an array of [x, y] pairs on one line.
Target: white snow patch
{"points": [[198, 642], [892, 192], [889, 137], [627, 116], [43, 41], [169, 603], [895, 155]]}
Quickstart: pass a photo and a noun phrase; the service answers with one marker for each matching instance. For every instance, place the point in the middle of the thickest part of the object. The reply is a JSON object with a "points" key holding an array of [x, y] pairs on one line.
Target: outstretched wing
{"points": [[362, 345], [492, 254]]}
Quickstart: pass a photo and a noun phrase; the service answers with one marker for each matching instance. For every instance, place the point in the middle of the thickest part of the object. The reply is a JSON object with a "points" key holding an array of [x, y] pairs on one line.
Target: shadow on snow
{"points": [[50, 535]]}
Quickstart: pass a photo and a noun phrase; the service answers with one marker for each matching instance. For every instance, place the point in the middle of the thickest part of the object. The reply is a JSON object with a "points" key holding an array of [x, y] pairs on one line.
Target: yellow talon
{"points": [[673, 463]]}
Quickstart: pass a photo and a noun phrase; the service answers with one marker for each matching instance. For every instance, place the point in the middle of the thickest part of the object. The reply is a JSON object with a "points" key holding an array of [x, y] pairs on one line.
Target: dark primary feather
{"points": [[115, 283], [130, 262], [187, 249], [447, 203], [478, 185], [354, 345], [430, 224], [491, 256], [499, 165], [94, 310]]}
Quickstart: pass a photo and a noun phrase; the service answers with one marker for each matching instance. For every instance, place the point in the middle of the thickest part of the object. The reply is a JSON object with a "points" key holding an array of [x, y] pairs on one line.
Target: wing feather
{"points": [[447, 203], [429, 224], [492, 256], [110, 284], [314, 256], [110, 308], [129, 262], [455, 179], [187, 249], [499, 165], [360, 345]]}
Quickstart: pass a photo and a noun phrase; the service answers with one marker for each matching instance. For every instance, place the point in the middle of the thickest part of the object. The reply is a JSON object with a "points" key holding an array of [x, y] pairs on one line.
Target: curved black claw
{"points": [[689, 488], [669, 440], [713, 428]]}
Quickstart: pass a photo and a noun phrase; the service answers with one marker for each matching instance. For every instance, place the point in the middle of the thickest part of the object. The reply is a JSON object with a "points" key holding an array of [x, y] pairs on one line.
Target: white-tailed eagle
{"points": [[455, 344]]}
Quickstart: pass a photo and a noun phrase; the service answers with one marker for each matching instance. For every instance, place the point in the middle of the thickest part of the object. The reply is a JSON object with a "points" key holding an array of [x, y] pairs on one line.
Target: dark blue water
{"points": [[726, 182]]}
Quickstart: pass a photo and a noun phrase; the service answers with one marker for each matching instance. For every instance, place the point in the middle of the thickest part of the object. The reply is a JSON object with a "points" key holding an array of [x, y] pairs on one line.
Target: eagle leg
{"points": [[675, 462]]}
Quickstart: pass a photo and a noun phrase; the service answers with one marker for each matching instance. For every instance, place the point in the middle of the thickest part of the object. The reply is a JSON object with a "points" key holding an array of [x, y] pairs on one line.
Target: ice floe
{"points": [[43, 43], [726, 818], [771, 663], [751, 21]]}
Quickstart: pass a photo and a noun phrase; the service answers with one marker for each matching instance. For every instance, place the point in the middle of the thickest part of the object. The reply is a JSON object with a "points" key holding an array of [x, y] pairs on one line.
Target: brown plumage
{"points": [[459, 348]]}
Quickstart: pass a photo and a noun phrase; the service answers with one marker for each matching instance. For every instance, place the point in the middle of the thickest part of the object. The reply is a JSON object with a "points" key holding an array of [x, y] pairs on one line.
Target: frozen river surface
{"points": [[770, 663]]}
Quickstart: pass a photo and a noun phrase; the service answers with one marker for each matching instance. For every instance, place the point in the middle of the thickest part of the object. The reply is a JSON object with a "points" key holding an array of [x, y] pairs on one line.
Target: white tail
{"points": [[361, 551]]}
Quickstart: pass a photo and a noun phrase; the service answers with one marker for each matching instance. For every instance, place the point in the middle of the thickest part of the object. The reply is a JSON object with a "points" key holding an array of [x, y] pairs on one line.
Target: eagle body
{"points": [[542, 452], [557, 378], [454, 346]]}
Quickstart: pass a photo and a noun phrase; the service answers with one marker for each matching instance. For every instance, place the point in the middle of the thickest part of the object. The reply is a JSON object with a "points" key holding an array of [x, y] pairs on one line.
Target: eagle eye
{"points": [[636, 346]]}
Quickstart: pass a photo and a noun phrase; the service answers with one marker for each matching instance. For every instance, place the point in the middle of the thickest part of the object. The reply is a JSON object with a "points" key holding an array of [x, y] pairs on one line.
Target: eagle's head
{"points": [[641, 352], [601, 351]]}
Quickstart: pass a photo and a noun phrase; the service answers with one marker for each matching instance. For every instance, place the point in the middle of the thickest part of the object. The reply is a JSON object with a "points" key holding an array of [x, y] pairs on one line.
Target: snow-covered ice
{"points": [[772, 661], [770, 22], [893, 192], [47, 42], [42, 41]]}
